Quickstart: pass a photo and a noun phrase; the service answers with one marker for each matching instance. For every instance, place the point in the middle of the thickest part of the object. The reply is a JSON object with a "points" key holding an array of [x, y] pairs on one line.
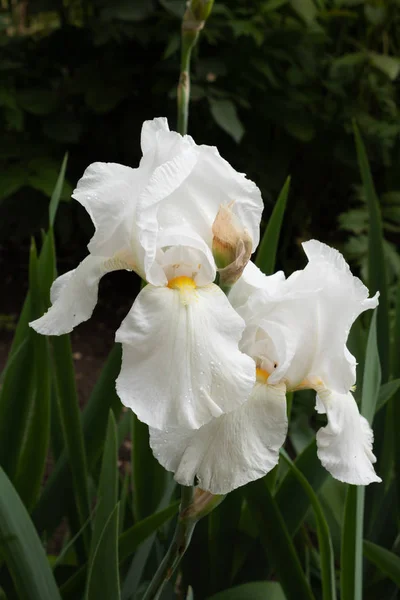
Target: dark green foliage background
{"points": [[276, 84]]}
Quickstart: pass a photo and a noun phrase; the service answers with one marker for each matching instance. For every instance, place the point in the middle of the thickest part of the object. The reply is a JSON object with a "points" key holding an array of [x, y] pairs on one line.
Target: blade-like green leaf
{"points": [[107, 494], [22, 549], [33, 451], [352, 536], [71, 424], [277, 541], [310, 466], [54, 499], [56, 195], [149, 478], [103, 577], [376, 258], [386, 561], [257, 590], [266, 255], [129, 542], [386, 393], [396, 401], [324, 536]]}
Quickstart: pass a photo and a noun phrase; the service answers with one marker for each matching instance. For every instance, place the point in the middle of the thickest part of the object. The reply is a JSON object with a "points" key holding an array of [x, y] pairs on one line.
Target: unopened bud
{"points": [[231, 246], [197, 12], [202, 504]]}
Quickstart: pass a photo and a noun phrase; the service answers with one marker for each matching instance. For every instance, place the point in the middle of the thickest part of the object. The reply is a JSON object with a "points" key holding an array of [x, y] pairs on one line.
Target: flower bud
{"points": [[231, 246], [197, 12], [202, 504]]}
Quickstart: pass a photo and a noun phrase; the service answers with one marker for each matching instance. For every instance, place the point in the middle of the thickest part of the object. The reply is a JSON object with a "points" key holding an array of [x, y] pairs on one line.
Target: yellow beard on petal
{"points": [[186, 287], [262, 375]]}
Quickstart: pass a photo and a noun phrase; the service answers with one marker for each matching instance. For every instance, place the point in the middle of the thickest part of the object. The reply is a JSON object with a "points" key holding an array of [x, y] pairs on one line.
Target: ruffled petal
{"points": [[109, 192], [251, 280], [74, 294], [230, 450], [341, 300], [165, 179], [150, 129], [345, 444], [181, 363]]}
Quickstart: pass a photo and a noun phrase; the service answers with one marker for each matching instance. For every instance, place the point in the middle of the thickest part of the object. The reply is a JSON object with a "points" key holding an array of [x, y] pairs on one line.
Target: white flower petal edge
{"points": [[181, 364], [74, 294], [231, 450], [345, 444]]}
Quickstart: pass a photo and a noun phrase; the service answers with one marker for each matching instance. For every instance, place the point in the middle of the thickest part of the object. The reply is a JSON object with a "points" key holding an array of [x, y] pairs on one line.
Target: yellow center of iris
{"points": [[182, 283], [262, 375]]}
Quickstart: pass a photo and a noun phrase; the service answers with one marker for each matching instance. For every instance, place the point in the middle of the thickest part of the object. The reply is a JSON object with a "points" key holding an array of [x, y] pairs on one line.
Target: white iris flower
{"points": [[181, 362], [296, 331]]}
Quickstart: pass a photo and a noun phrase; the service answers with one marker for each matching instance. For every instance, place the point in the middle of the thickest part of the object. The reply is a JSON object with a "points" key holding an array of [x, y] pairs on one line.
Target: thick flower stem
{"points": [[193, 22], [180, 542]]}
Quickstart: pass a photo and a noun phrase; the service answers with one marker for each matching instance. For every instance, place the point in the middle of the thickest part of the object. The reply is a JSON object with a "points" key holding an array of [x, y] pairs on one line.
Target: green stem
{"points": [[189, 39], [180, 542]]}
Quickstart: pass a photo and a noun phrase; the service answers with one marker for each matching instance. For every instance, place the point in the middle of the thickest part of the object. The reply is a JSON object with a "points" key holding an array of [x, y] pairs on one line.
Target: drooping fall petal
{"points": [[345, 444], [181, 363], [231, 450]]}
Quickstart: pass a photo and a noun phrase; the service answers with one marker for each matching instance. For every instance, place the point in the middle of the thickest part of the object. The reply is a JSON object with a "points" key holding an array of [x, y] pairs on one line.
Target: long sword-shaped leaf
{"points": [[22, 549], [376, 258], [386, 561], [266, 255], [54, 499], [34, 449], [103, 577], [277, 542], [324, 536], [352, 536]]}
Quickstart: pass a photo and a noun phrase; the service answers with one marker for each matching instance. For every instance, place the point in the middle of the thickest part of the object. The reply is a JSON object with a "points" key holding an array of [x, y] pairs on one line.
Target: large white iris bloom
{"points": [[181, 362], [296, 331]]}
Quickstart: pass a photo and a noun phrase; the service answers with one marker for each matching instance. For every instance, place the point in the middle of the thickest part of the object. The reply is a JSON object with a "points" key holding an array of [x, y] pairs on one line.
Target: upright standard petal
{"points": [[230, 450], [345, 444], [109, 192], [181, 363], [74, 294]]}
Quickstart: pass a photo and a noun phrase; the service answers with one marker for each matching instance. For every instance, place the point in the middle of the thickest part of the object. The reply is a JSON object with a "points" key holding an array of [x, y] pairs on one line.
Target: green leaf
{"points": [[70, 418], [56, 195], [33, 451], [37, 101], [129, 542], [22, 549], [277, 542], [352, 537], [225, 115], [256, 590], [386, 561], [57, 492], [310, 466], [372, 374], [324, 536], [389, 65], [386, 393], [103, 577], [376, 258], [306, 9], [149, 478], [266, 254], [107, 493]]}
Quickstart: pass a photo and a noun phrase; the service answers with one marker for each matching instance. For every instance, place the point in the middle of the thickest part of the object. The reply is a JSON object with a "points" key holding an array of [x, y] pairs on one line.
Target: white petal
{"points": [[109, 191], [181, 363], [232, 449], [165, 179], [185, 253], [74, 295], [341, 300], [251, 280], [150, 129], [345, 444]]}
